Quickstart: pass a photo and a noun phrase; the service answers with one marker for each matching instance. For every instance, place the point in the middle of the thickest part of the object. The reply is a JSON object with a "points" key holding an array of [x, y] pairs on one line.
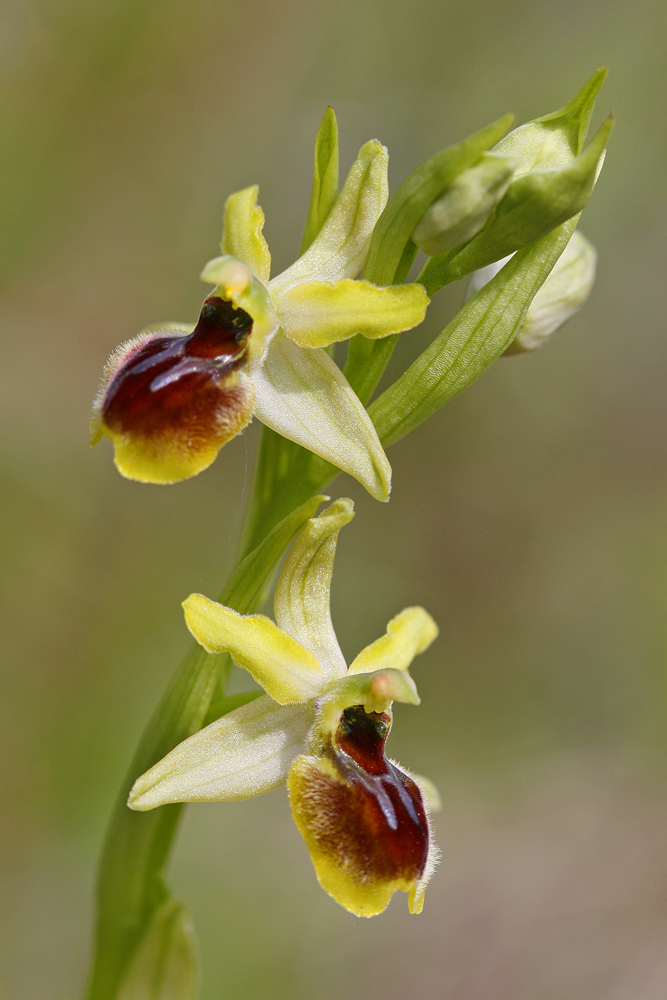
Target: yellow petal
{"points": [[319, 313], [287, 672], [409, 633]]}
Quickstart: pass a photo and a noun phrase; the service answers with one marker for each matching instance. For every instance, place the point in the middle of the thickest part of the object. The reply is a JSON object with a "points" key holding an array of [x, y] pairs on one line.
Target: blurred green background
{"points": [[529, 516]]}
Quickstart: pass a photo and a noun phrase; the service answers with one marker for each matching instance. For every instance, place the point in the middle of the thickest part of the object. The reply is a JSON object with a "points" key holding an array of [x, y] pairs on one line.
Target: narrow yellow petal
{"points": [[319, 313], [287, 672], [409, 633]]}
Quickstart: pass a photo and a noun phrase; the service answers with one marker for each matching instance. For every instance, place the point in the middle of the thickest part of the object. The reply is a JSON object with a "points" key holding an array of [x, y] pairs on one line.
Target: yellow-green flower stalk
{"points": [[321, 727], [172, 397]]}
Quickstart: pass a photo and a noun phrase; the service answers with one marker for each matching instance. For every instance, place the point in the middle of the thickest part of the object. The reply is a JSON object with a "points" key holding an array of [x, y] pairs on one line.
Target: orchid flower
{"points": [[321, 727], [171, 398]]}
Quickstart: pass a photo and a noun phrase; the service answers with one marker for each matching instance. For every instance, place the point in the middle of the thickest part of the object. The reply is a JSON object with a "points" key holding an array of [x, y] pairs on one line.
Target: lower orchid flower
{"points": [[171, 398], [321, 727]]}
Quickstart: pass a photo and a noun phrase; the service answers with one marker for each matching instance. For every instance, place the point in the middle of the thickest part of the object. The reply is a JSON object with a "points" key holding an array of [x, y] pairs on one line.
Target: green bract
{"points": [[164, 966], [465, 206], [562, 295]]}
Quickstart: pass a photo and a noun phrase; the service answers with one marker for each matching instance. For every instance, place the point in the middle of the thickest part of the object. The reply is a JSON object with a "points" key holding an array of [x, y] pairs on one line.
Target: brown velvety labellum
{"points": [[182, 385], [380, 809]]}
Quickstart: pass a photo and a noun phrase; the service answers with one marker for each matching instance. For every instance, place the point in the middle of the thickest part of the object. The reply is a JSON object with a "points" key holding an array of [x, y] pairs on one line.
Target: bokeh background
{"points": [[529, 516]]}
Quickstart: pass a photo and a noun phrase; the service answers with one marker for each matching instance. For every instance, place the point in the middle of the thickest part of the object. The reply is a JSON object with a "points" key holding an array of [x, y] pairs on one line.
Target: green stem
{"points": [[137, 847]]}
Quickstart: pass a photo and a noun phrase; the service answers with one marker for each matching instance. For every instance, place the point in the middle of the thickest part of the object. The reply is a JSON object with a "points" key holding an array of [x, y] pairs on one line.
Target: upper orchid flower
{"points": [[171, 398], [320, 727]]}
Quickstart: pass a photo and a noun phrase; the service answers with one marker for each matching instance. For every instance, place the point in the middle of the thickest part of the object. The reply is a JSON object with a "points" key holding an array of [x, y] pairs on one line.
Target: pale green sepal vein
{"points": [[304, 396], [325, 178], [340, 248], [302, 597], [247, 752], [471, 342]]}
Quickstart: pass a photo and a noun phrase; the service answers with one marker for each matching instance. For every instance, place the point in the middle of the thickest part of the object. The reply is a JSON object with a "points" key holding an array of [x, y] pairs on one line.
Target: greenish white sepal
{"points": [[303, 395], [462, 210], [302, 597], [318, 313], [561, 296], [340, 248], [247, 752], [165, 963]]}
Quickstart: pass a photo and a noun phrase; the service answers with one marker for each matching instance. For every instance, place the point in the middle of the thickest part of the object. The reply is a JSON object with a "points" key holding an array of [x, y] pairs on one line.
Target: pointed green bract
{"points": [[325, 178], [304, 396], [471, 342], [554, 139], [340, 248], [165, 965], [535, 203], [317, 313], [245, 753], [408, 634], [301, 601], [243, 235]]}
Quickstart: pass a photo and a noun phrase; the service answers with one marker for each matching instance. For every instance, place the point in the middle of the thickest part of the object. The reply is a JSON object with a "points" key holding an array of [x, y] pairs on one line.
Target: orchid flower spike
{"points": [[171, 398], [321, 727]]}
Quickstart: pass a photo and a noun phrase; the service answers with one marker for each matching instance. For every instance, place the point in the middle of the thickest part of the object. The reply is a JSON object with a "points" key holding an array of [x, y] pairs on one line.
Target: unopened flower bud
{"points": [[562, 295], [169, 401], [464, 207], [164, 966]]}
